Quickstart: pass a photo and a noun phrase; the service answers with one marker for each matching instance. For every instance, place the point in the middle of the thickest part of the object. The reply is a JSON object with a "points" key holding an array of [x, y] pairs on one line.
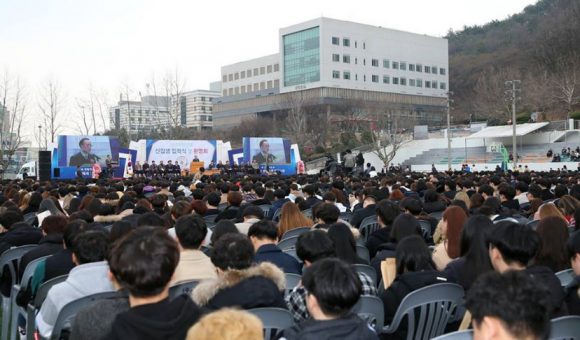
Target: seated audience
{"points": [[451, 226], [264, 237], [193, 263], [251, 215], [227, 324], [333, 289], [573, 289], [553, 232], [239, 283], [291, 218]]}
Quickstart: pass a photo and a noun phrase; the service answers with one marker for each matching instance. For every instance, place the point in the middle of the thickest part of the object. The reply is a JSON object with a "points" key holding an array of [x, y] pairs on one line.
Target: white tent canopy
{"points": [[505, 131]]}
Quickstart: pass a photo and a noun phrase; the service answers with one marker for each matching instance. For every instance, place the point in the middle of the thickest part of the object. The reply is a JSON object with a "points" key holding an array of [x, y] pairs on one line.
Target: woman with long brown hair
{"points": [[292, 218], [451, 227]]}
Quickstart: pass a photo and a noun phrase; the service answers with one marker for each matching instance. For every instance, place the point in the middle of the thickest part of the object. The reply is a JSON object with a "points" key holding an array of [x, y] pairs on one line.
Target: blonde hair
{"points": [[550, 209], [463, 196], [227, 324]]}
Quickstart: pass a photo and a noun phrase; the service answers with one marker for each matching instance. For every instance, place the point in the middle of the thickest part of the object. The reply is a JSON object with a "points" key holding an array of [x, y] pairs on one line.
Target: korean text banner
{"points": [[84, 151], [267, 150], [182, 151]]}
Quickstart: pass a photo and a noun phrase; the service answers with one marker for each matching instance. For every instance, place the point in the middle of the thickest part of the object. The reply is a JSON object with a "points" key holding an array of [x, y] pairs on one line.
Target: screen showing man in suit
{"points": [[84, 151], [269, 151]]}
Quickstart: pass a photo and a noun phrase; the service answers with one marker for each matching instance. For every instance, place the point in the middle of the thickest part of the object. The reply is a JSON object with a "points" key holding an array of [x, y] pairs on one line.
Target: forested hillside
{"points": [[539, 46]]}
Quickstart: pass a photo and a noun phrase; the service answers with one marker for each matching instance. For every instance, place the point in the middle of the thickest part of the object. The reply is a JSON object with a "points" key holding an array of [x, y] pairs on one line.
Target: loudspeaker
{"points": [[56, 172], [44, 165]]}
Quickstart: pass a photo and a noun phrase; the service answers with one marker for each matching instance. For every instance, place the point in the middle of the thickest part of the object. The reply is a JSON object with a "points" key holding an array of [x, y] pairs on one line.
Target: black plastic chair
{"points": [[182, 288], [565, 328], [295, 232], [368, 270], [265, 208], [276, 216], [273, 320], [459, 335], [427, 310], [292, 252], [368, 226], [371, 309], [288, 243], [67, 314], [533, 224], [292, 280], [566, 277], [438, 215], [363, 253], [11, 259], [34, 306]]}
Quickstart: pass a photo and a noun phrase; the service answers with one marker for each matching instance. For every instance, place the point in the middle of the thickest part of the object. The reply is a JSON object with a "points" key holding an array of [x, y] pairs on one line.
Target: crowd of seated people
{"points": [[239, 236]]}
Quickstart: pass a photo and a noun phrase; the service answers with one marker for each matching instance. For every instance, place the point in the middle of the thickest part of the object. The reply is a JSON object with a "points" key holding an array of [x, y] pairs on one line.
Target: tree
{"points": [[384, 143], [50, 104], [93, 109], [566, 81], [13, 105], [296, 118]]}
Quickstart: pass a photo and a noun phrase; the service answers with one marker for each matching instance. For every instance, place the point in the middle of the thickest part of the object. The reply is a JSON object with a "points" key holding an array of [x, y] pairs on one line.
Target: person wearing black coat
{"points": [[386, 213], [368, 209], [573, 289], [19, 234]]}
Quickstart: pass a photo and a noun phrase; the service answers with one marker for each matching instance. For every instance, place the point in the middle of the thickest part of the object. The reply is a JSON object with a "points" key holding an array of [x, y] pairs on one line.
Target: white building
{"points": [[149, 114], [341, 54], [333, 62], [195, 109], [255, 76]]}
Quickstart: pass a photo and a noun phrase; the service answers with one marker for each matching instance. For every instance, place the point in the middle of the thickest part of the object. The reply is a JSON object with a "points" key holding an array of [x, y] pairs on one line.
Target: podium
{"points": [[194, 166]]}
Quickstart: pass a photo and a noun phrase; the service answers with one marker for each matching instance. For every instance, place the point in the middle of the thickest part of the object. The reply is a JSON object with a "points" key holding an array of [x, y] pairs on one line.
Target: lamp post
{"points": [[39, 137], [449, 101], [513, 93]]}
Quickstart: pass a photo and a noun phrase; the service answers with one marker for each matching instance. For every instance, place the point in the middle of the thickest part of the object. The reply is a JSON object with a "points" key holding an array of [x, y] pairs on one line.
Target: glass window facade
{"points": [[302, 57]]}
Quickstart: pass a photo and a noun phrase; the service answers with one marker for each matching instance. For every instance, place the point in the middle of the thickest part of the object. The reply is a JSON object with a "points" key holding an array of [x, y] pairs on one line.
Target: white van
{"points": [[30, 168]]}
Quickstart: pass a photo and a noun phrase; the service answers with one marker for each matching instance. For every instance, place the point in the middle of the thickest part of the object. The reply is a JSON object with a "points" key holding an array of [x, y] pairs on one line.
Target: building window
{"points": [[276, 83], [237, 90], [301, 57], [336, 41], [355, 43], [346, 75], [355, 61], [346, 42], [230, 77], [364, 61], [434, 84], [364, 45], [411, 67], [404, 81], [395, 81], [249, 73], [256, 71], [224, 78], [262, 70], [269, 70], [375, 62], [427, 69], [335, 57], [256, 87], [243, 89], [427, 84], [269, 84], [236, 76], [395, 65], [386, 80], [442, 86], [375, 78], [386, 63], [419, 83], [276, 67], [230, 92], [419, 68], [243, 74], [335, 74], [403, 66], [442, 71], [412, 82], [346, 58], [262, 85], [356, 77], [364, 77], [434, 69]]}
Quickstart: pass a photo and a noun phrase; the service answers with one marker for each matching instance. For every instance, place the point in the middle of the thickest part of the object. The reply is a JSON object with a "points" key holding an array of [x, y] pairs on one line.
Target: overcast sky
{"points": [[108, 43]]}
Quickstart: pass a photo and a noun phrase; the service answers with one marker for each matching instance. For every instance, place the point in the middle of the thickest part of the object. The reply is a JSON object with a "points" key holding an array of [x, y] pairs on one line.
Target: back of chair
{"points": [[565, 277], [26, 278], [345, 216], [533, 224], [366, 229], [292, 280], [438, 215], [69, 311], [371, 309], [288, 243], [11, 259], [276, 216], [182, 288], [308, 213], [459, 335], [292, 252], [36, 303], [265, 208], [428, 310], [363, 253], [210, 220], [368, 270], [425, 229], [273, 319], [565, 328], [295, 232]]}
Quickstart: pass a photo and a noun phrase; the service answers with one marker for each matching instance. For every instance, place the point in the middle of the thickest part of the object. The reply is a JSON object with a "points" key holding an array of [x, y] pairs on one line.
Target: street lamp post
{"points": [[39, 137], [449, 100], [513, 92]]}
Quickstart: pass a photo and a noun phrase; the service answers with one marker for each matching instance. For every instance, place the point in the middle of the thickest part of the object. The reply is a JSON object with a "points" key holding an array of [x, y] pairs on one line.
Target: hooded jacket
{"points": [[404, 284], [349, 327], [573, 296], [164, 320], [547, 277], [262, 285]]}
